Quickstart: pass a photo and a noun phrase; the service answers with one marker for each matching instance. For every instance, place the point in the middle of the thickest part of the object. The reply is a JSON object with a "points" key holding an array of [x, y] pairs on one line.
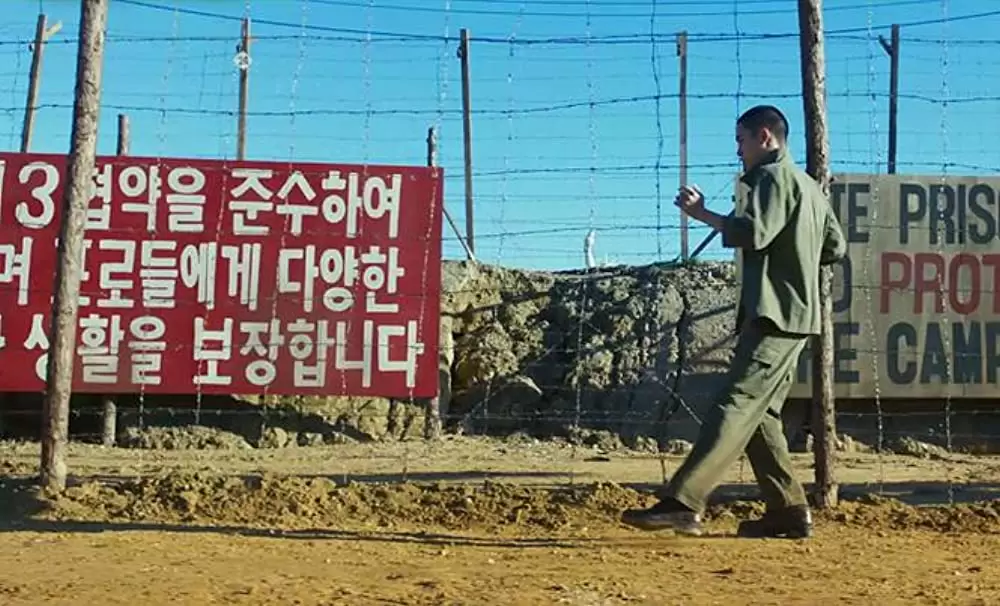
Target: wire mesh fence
{"points": [[577, 321]]}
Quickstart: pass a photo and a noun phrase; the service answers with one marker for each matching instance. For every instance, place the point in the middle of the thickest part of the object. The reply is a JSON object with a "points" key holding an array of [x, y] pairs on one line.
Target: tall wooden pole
{"points": [[432, 155], [432, 423], [892, 49], [109, 431], [432, 148], [34, 79], [244, 67], [463, 54], [123, 135], [818, 166], [682, 98], [79, 176]]}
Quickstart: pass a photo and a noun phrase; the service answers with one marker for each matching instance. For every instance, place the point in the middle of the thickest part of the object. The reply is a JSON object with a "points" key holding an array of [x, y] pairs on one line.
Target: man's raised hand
{"points": [[690, 200]]}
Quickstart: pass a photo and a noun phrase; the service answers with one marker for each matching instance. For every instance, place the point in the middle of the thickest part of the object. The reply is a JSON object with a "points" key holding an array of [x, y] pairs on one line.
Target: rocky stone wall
{"points": [[617, 350]]}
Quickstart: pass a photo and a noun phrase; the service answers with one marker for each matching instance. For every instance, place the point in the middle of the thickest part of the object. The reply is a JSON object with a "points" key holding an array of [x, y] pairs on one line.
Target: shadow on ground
{"points": [[311, 534]]}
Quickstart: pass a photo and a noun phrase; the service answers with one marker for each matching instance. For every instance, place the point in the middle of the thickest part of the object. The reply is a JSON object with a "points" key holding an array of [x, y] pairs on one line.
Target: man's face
{"points": [[751, 148]]}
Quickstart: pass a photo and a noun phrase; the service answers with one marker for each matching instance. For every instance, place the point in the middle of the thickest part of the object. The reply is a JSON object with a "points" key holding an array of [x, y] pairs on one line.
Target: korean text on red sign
{"points": [[218, 277]]}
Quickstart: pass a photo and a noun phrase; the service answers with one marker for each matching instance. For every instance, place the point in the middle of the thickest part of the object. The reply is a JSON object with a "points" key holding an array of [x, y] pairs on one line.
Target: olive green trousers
{"points": [[747, 417]]}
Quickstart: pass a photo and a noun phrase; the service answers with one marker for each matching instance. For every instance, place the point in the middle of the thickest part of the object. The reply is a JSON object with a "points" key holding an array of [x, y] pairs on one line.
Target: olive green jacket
{"points": [[788, 229]]}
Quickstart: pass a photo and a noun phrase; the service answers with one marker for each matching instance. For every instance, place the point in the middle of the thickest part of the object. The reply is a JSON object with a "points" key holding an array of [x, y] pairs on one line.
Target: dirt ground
{"points": [[475, 521]]}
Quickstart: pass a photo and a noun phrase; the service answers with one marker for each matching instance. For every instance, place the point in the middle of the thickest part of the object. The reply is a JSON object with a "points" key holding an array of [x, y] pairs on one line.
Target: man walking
{"points": [[788, 230]]}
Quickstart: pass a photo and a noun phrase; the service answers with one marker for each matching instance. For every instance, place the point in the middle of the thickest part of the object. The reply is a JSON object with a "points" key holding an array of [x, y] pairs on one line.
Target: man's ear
{"points": [[765, 136]]}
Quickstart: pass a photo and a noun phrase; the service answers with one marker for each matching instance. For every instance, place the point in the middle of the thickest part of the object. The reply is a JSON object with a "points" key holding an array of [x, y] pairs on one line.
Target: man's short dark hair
{"points": [[765, 116]]}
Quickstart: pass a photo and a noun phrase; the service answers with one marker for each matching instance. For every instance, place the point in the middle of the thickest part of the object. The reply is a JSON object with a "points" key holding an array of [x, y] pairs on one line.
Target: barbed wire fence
{"points": [[576, 151]]}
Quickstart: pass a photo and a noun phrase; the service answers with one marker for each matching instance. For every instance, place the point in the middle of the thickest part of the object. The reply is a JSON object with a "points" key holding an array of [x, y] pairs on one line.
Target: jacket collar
{"points": [[778, 156]]}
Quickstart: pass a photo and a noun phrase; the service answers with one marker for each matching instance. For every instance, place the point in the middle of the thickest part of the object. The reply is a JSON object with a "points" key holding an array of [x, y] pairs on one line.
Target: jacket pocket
{"points": [[768, 352]]}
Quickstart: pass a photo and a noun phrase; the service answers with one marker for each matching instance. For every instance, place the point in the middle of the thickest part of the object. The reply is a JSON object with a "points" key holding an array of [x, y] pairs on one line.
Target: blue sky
{"points": [[361, 81]]}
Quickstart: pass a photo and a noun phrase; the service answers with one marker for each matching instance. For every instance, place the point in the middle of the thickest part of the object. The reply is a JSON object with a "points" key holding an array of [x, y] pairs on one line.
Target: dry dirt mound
{"points": [[291, 502], [189, 437], [295, 502], [889, 514]]}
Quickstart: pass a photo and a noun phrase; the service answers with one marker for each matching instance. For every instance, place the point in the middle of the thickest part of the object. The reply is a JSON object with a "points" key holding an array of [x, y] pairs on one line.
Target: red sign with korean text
{"points": [[207, 276]]}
